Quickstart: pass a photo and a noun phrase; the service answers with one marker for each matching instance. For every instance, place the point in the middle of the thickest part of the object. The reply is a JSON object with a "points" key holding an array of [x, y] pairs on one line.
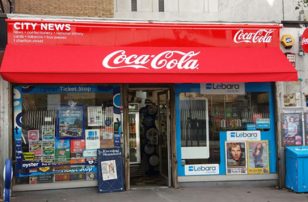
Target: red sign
{"points": [[305, 41], [168, 59], [133, 34]]}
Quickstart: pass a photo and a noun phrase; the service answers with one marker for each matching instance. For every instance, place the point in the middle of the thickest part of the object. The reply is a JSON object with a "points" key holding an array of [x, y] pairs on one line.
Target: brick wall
{"points": [[79, 8]]}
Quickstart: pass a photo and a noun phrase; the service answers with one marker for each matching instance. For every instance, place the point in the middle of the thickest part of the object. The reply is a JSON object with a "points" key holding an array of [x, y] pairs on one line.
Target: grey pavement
{"points": [[190, 194]]}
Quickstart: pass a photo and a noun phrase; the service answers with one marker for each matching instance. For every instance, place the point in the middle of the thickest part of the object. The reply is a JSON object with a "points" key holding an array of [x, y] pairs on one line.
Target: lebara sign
{"points": [[243, 135], [222, 88], [202, 169]]}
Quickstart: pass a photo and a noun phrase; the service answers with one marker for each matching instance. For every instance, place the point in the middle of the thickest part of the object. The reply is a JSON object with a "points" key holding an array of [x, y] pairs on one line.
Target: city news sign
{"points": [[243, 135], [202, 169], [222, 88]]}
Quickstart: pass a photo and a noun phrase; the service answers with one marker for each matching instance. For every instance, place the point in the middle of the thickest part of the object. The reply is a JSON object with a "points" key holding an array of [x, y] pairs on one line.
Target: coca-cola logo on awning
{"points": [[305, 41], [169, 59], [258, 36]]}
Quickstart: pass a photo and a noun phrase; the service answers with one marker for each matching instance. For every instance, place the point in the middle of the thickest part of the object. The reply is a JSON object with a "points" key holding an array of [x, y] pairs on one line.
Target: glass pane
{"points": [[61, 133], [193, 120]]}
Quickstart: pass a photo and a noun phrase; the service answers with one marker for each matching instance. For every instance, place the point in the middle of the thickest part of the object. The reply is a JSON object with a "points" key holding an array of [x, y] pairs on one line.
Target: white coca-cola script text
{"points": [[259, 36], [169, 59]]}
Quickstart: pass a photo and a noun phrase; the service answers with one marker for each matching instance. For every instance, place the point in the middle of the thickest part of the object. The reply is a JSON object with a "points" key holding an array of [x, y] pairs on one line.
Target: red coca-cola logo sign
{"points": [[259, 36], [305, 41], [169, 59]]}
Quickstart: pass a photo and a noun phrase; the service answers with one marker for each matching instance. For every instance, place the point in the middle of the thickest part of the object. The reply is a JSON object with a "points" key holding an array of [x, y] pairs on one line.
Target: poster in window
{"points": [[109, 170], [62, 150], [33, 135], [92, 139], [35, 147], [236, 158], [48, 132], [70, 122], [77, 148], [258, 159], [292, 129], [95, 116]]}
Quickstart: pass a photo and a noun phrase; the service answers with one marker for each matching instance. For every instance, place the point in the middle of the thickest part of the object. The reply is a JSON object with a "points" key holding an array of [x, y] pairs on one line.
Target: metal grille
{"points": [[193, 122]]}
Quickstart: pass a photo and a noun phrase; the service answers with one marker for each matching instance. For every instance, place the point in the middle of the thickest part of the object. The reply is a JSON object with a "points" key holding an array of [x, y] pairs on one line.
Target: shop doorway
{"points": [[149, 137]]}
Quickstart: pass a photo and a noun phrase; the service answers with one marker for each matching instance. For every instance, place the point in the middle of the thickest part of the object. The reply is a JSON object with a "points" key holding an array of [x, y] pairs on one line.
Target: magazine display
{"points": [[258, 158], [236, 158], [70, 122], [292, 129]]}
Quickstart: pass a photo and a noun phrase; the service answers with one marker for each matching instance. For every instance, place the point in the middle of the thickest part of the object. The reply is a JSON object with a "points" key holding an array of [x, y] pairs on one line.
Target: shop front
{"points": [[184, 102]]}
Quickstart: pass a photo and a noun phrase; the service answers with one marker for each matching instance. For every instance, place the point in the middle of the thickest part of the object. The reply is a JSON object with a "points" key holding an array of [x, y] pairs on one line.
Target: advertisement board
{"points": [[110, 170]]}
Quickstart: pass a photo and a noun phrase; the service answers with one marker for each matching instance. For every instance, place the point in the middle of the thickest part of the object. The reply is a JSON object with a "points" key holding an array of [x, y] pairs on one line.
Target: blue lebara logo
{"points": [[233, 134], [191, 168], [208, 86]]}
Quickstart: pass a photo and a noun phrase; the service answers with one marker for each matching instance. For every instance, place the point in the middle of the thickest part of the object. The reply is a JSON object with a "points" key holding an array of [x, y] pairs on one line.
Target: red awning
{"points": [[91, 64]]}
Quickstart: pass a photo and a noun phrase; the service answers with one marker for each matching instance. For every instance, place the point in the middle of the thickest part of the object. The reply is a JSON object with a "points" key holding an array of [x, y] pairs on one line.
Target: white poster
{"points": [[202, 169], [95, 116], [222, 88], [109, 170], [92, 139]]}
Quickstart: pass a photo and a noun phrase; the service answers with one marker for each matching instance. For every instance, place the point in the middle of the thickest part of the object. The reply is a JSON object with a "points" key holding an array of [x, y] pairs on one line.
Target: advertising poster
{"points": [[236, 158], [292, 129], [62, 176], [92, 137], [258, 158], [35, 147], [107, 139], [33, 135], [70, 122], [77, 175], [95, 116], [62, 150], [110, 170], [77, 148], [48, 151], [48, 132]]}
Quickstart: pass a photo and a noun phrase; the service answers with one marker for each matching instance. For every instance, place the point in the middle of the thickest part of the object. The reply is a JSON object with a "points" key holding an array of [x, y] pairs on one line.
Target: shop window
{"points": [[161, 5], [225, 113], [61, 131], [134, 5]]}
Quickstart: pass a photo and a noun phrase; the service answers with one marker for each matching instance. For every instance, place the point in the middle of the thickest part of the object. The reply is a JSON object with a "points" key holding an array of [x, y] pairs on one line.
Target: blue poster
{"points": [[110, 170], [70, 122]]}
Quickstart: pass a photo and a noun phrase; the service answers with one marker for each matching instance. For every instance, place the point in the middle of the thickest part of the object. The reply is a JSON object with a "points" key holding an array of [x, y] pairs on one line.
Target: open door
{"points": [[164, 128]]}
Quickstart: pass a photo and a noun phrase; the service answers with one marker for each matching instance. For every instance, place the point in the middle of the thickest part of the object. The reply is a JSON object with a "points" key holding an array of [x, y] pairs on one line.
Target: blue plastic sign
{"points": [[263, 123], [110, 170], [251, 126], [7, 177]]}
